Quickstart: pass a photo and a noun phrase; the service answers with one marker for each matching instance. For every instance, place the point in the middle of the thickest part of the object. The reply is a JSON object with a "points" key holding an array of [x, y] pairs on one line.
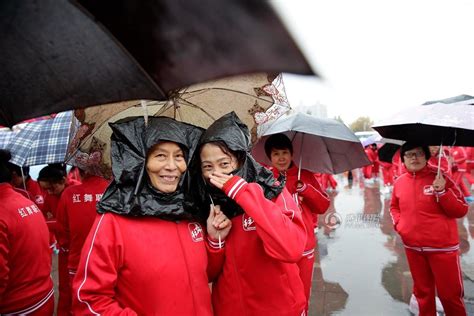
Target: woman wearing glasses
{"points": [[424, 209]]}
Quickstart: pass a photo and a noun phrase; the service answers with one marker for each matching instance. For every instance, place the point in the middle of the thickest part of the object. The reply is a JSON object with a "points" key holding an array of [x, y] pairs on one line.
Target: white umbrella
{"points": [[441, 122]]}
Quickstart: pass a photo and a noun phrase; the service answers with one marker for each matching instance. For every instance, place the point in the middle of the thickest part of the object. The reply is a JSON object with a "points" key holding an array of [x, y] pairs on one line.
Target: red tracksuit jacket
{"points": [[35, 192], [25, 258], [50, 207], [75, 215], [460, 157], [424, 218], [142, 266], [259, 275], [312, 199]]}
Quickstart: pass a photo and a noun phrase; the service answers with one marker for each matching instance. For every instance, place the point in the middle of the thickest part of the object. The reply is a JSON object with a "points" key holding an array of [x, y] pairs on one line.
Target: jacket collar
{"points": [[291, 171], [423, 172]]}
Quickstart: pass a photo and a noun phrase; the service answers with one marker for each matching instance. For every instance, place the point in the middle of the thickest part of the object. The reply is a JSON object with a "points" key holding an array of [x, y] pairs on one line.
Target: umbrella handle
{"points": [[299, 170], [218, 233], [301, 157], [439, 160], [145, 111], [23, 179]]}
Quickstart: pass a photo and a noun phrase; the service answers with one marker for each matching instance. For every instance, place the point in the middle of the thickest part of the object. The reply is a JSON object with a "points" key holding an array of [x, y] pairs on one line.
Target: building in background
{"points": [[318, 109]]}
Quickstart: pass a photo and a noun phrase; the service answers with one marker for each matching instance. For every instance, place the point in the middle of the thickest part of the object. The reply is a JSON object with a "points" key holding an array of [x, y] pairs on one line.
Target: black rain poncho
{"points": [[131, 193], [235, 134]]}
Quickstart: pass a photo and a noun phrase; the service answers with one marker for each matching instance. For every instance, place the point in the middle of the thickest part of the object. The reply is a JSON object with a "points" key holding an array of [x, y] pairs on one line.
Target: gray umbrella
{"points": [[320, 145]]}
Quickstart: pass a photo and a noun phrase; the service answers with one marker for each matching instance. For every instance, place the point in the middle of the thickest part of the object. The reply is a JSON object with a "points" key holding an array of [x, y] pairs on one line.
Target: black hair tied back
{"points": [[5, 175], [5, 156]]}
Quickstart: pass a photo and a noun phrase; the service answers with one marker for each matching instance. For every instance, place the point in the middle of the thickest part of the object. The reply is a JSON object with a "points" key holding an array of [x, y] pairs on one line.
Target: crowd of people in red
{"points": [[197, 209], [455, 162]]}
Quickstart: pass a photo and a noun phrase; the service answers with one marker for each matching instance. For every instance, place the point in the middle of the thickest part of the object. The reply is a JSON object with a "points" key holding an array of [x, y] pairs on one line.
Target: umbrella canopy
{"points": [[372, 139], [201, 104], [447, 122], [38, 142], [61, 55], [387, 151], [322, 145]]}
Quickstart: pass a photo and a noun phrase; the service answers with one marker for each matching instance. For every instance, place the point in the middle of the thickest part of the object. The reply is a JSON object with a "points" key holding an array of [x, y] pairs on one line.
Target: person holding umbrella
{"points": [[371, 172], [258, 273], [26, 287], [424, 208], [306, 190], [145, 254]]}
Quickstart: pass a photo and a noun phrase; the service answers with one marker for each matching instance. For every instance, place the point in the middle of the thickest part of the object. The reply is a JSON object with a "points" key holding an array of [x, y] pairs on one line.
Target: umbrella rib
{"points": [[197, 107], [204, 90], [329, 154]]}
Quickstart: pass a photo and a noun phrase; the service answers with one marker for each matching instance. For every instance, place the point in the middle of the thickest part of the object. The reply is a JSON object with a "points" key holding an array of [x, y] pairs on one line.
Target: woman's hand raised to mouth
{"points": [[218, 179]]}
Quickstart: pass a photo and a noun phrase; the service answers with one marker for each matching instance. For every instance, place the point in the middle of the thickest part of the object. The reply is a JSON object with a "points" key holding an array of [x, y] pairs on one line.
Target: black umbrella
{"points": [[57, 55], [447, 122], [387, 151]]}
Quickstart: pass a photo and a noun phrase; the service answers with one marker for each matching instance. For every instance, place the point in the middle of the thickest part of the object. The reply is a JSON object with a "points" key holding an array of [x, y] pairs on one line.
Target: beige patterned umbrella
{"points": [[256, 98]]}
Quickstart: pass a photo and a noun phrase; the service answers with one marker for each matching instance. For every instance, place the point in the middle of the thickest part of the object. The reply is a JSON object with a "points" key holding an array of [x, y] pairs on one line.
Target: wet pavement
{"points": [[361, 268]]}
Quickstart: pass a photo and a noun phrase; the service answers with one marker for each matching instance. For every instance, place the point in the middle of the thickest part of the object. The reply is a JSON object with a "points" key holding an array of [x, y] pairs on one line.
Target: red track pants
{"points": [[441, 272]]}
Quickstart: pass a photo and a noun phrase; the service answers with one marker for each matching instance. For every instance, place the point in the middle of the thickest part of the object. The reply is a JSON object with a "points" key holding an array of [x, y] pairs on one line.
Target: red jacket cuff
{"points": [[233, 186], [215, 244], [299, 190]]}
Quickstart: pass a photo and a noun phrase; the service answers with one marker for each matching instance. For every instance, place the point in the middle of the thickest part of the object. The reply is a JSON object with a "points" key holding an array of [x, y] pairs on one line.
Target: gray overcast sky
{"points": [[377, 57]]}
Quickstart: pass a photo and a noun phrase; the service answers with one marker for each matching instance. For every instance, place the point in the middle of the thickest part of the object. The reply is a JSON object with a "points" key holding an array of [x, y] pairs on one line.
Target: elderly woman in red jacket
{"points": [[145, 254], [424, 209]]}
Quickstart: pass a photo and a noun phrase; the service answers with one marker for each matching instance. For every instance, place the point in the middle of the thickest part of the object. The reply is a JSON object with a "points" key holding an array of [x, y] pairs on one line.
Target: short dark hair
{"points": [[278, 141], [409, 146], [51, 173], [5, 173], [17, 169]]}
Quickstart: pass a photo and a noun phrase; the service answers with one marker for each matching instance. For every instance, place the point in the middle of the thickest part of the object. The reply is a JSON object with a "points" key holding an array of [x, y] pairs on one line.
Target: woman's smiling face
{"points": [[165, 165], [214, 159]]}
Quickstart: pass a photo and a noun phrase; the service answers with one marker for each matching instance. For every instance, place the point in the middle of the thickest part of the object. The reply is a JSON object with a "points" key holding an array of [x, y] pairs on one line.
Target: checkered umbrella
{"points": [[38, 142]]}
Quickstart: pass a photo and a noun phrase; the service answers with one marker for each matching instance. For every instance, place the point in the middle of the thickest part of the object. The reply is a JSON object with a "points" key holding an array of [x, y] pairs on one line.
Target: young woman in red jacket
{"points": [[26, 287], [424, 209], [258, 274], [145, 254], [306, 191]]}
